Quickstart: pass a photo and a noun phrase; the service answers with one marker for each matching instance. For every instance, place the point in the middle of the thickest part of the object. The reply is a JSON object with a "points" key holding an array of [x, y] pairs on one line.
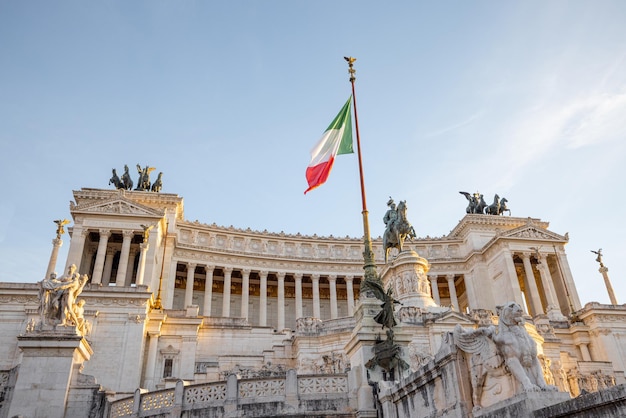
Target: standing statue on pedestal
{"points": [[58, 297], [60, 224], [398, 227], [599, 256]]}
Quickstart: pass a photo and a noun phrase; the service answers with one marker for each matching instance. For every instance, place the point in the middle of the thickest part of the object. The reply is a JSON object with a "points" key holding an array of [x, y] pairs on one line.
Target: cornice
{"points": [[159, 202], [472, 222]]}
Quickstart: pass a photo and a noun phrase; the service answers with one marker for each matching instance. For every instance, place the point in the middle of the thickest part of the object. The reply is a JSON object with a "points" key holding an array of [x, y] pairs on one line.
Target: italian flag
{"points": [[337, 139]]}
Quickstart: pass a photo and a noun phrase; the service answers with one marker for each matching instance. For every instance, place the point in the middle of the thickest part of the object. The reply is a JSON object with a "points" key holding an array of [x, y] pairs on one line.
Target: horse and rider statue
{"points": [[398, 227], [477, 205]]}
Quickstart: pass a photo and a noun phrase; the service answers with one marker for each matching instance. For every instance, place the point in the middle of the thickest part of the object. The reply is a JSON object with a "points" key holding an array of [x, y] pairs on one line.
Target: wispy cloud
{"points": [[453, 127]]}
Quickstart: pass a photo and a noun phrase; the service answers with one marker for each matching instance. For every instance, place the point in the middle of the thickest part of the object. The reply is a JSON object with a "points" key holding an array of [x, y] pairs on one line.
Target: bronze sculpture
{"points": [[398, 227]]}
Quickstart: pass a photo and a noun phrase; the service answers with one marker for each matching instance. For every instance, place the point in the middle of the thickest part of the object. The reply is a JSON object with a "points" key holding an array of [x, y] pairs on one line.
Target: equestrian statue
{"points": [[398, 227]]}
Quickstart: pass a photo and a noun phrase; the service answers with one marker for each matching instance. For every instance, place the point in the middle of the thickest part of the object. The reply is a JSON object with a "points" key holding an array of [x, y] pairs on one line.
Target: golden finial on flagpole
{"points": [[351, 70]]}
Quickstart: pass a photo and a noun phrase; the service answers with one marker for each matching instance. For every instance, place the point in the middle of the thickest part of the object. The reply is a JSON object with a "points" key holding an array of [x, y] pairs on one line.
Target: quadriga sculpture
{"points": [[507, 345]]}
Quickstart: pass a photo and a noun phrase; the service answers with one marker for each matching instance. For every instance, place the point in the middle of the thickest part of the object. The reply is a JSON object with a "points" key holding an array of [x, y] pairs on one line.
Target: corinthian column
{"points": [[228, 271], [142, 263], [535, 300], [263, 299], [332, 283], [609, 288], [553, 309], [435, 289], [100, 256], [350, 295], [453, 298], [315, 279], [56, 244], [125, 254], [208, 290], [298, 280], [281, 301], [245, 292], [191, 272]]}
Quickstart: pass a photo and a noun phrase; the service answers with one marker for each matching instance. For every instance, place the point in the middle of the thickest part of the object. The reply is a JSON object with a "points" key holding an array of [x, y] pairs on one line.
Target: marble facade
{"points": [[271, 308]]}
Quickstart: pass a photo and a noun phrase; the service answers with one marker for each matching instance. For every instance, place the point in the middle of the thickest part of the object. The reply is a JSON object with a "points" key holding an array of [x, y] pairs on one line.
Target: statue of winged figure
{"points": [[386, 316], [485, 357], [60, 224]]}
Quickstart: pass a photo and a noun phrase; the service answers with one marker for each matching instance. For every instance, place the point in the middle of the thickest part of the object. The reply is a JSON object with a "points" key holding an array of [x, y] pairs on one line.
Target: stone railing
{"points": [[281, 394]]}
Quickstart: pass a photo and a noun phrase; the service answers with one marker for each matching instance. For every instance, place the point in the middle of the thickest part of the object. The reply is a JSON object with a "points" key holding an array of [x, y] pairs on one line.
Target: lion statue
{"points": [[509, 345]]}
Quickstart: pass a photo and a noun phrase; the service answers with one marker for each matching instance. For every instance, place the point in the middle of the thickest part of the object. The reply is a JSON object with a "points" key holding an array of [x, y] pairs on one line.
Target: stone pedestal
{"points": [[523, 405], [51, 362], [359, 351], [406, 275]]}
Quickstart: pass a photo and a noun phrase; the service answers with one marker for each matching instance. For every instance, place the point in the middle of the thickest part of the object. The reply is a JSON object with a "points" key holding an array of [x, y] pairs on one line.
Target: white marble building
{"points": [[198, 303]]}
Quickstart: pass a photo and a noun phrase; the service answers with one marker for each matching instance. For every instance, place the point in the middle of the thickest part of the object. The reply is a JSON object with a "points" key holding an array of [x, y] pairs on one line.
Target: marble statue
{"points": [[509, 345], [398, 227], [60, 224], [126, 180], [58, 297]]}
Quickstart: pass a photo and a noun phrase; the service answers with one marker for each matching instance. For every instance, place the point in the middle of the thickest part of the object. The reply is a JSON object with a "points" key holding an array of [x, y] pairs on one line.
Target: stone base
{"points": [[522, 405]]}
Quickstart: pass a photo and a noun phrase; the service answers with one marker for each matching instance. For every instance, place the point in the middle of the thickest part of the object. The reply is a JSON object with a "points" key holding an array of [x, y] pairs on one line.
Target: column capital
{"points": [[450, 277], [209, 268], [144, 246], [348, 278], [298, 276], [315, 277], [191, 265], [128, 233], [104, 233], [332, 277], [281, 275], [227, 270], [84, 232], [526, 255], [246, 272], [263, 273]]}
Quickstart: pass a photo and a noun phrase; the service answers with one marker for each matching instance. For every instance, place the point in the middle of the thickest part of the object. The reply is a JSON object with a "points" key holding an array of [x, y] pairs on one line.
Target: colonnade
{"points": [[261, 279], [100, 260], [540, 292]]}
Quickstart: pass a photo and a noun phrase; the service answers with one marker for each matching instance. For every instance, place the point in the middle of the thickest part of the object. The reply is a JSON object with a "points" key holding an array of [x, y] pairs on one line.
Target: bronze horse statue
{"points": [[498, 207], [397, 231]]}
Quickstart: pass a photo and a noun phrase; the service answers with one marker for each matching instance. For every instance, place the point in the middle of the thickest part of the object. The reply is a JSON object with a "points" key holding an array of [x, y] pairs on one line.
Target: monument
{"points": [[483, 320]]}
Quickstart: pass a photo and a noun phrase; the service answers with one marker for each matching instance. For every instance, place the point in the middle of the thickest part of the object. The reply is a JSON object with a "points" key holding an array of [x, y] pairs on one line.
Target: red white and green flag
{"points": [[337, 139]]}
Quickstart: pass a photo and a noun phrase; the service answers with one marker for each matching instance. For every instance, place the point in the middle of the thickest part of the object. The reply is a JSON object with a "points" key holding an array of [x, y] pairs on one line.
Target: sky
{"points": [[525, 99]]}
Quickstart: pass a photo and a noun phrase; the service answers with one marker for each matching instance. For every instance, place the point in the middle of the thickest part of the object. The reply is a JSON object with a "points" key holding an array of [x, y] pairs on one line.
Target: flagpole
{"points": [[368, 255]]}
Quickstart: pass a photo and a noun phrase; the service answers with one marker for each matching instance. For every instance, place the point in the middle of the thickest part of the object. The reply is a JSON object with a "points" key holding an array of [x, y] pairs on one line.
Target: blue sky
{"points": [[524, 99]]}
